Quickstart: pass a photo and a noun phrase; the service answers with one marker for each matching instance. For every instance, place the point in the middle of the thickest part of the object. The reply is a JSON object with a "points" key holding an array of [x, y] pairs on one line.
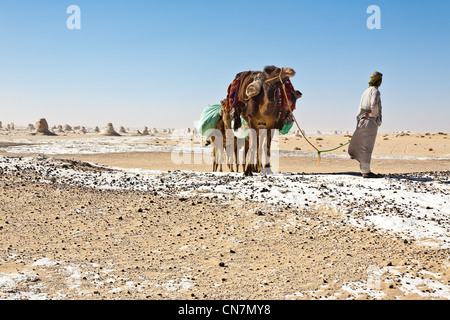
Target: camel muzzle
{"points": [[262, 125]]}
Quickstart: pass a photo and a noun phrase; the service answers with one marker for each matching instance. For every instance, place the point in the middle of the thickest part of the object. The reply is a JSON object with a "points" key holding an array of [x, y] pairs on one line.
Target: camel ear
{"points": [[253, 89]]}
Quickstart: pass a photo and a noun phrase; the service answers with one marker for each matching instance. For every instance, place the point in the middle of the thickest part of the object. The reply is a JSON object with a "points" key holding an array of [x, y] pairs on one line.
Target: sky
{"points": [[151, 63]]}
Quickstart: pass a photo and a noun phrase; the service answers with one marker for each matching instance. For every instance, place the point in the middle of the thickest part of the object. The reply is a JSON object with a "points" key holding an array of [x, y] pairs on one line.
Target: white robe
{"points": [[363, 140]]}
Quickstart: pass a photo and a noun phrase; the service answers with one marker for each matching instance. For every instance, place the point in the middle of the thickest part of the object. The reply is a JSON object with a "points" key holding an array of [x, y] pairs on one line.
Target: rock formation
{"points": [[42, 127], [59, 129], [109, 130]]}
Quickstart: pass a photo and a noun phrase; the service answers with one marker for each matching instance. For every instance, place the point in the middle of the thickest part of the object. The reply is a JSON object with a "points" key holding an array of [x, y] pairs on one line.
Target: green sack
{"points": [[209, 119], [286, 128]]}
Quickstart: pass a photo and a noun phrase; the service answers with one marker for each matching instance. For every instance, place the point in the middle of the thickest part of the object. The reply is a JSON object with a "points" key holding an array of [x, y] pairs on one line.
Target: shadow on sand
{"points": [[440, 177]]}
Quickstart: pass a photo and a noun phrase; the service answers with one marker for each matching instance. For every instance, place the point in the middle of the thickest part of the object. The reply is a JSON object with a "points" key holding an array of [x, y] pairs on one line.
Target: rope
{"points": [[335, 148], [304, 136], [319, 152]]}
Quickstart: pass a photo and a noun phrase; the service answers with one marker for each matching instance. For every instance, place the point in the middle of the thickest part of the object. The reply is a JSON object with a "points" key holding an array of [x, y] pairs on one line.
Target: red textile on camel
{"points": [[290, 92], [233, 91]]}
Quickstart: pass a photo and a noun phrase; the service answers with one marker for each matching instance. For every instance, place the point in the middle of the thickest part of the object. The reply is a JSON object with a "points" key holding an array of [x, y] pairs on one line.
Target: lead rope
{"points": [[303, 134]]}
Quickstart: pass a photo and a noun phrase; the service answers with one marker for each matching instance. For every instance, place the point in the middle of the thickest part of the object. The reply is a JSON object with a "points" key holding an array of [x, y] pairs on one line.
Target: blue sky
{"points": [[159, 63]]}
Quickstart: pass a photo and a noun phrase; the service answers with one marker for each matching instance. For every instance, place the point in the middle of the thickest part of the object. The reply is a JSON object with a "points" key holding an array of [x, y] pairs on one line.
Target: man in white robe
{"points": [[368, 120]]}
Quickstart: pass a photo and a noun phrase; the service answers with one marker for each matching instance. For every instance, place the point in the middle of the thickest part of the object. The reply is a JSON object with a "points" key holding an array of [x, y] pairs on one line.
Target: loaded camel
{"points": [[229, 143], [262, 110]]}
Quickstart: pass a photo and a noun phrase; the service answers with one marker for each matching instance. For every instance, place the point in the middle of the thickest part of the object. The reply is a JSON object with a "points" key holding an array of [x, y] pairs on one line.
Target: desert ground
{"points": [[87, 216]]}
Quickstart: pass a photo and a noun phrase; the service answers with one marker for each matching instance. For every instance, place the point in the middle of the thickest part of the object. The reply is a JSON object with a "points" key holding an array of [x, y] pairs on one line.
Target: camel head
{"points": [[223, 110], [271, 79], [226, 116], [262, 109], [272, 72]]}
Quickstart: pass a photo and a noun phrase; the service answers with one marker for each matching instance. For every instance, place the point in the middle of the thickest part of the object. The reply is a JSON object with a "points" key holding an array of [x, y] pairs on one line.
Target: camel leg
{"points": [[266, 166], [262, 150], [233, 155], [252, 152], [217, 142], [217, 154], [257, 163], [215, 164], [259, 144], [214, 167], [236, 156], [230, 149], [229, 155], [220, 159], [231, 167], [246, 147], [240, 160], [269, 144], [246, 152], [217, 160]]}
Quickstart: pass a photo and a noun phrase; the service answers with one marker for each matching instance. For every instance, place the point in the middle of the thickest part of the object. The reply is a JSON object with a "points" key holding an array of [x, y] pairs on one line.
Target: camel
{"points": [[262, 111], [229, 143], [230, 139]]}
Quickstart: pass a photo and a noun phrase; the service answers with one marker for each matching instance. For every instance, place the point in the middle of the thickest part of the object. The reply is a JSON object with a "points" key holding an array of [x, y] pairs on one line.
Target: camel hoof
{"points": [[248, 173]]}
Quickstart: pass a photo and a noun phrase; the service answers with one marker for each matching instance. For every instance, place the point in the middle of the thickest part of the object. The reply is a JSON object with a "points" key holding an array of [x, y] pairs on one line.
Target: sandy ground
{"points": [[74, 230]]}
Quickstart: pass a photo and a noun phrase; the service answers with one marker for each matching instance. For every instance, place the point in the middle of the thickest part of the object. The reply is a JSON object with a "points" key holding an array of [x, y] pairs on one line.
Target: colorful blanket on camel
{"points": [[235, 97], [290, 93]]}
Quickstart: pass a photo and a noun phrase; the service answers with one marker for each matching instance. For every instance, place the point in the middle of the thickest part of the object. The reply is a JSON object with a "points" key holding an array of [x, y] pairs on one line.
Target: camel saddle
{"points": [[237, 94]]}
